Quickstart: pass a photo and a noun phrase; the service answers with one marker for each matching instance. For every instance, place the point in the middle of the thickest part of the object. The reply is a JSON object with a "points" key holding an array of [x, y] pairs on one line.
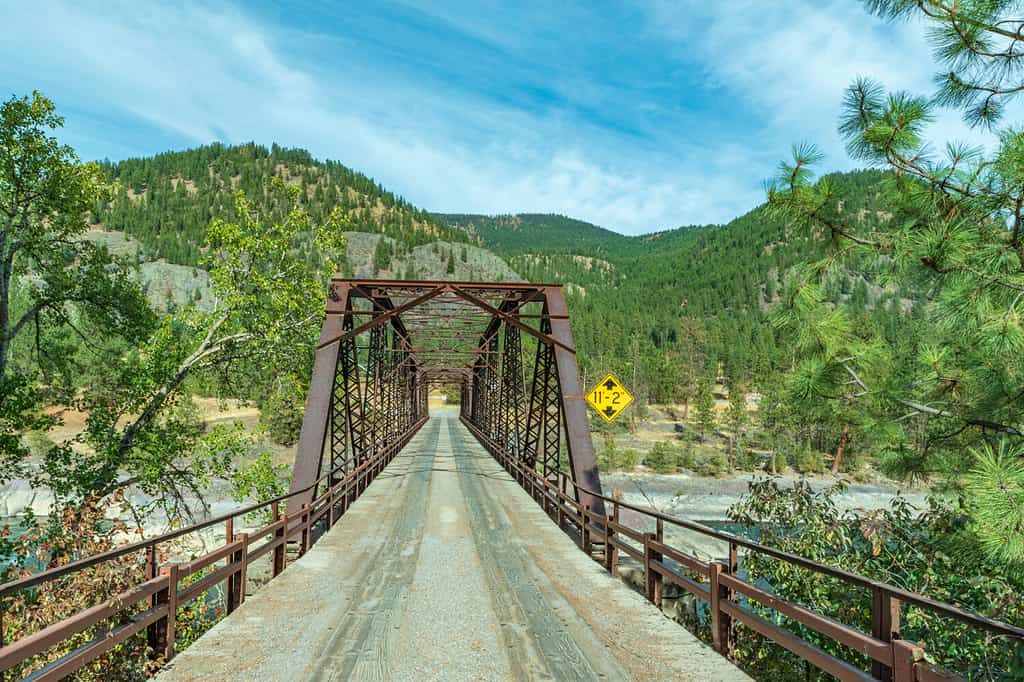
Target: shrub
{"points": [[38, 443], [627, 459], [747, 460], [685, 458], [807, 461], [612, 458], [607, 456], [711, 463], [852, 461], [662, 458], [780, 461], [282, 413]]}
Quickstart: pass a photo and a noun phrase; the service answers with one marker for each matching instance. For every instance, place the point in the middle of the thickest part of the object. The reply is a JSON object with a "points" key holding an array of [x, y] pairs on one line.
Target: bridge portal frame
{"points": [[354, 408]]}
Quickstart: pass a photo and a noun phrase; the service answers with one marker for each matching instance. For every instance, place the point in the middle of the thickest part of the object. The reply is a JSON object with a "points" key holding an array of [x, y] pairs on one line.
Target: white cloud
{"points": [[790, 63], [210, 72]]}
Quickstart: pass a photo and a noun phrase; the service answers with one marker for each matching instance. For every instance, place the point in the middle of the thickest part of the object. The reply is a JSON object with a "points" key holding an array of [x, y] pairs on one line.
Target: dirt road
{"points": [[445, 570]]}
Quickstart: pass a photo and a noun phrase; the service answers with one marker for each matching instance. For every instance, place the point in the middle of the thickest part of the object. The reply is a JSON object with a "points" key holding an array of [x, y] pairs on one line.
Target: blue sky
{"points": [[637, 116]]}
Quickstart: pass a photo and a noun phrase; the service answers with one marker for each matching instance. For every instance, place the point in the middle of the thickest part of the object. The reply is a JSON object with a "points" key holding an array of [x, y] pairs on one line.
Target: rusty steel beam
{"points": [[582, 462], [310, 449], [381, 319]]}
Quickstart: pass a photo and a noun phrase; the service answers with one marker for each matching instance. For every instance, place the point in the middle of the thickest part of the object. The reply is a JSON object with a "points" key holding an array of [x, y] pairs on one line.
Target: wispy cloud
{"points": [[636, 117]]}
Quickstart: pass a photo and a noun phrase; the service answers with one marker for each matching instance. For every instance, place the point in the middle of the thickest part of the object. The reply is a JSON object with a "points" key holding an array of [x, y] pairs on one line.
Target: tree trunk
{"points": [[839, 451], [730, 452], [5, 316], [632, 414], [686, 407]]}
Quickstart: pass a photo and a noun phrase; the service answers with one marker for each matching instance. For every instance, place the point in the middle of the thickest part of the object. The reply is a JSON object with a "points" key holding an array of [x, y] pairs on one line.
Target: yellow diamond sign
{"points": [[609, 397]]}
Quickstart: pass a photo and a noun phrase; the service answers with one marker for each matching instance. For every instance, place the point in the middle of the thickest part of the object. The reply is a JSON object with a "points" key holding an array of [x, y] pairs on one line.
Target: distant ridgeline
{"points": [[628, 294], [167, 201]]}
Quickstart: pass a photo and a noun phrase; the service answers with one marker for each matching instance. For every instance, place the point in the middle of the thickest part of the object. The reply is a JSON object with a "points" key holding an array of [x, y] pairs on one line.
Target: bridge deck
{"points": [[446, 569]]}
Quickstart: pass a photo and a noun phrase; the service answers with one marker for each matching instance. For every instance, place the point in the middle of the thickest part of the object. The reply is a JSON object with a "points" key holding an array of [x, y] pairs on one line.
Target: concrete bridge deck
{"points": [[446, 570]]}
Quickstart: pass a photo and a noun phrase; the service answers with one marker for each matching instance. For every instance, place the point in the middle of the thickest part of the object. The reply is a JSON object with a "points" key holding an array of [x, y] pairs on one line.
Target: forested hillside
{"points": [[631, 296], [167, 201], [527, 233]]}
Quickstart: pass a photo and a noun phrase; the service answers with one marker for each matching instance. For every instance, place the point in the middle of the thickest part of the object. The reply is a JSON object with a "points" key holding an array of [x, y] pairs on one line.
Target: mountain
{"points": [[167, 201], [626, 290], [628, 294], [536, 233]]}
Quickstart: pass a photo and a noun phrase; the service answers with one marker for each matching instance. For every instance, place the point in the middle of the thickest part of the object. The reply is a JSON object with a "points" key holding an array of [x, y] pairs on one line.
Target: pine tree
{"points": [[382, 254], [736, 419], [704, 406], [957, 233]]}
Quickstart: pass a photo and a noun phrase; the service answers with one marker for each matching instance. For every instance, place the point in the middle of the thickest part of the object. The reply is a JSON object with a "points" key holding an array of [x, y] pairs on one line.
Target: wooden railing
{"points": [[718, 583], [167, 588]]}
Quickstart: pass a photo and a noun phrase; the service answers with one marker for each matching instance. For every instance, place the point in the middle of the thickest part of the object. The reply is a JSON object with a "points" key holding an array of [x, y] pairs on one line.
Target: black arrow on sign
{"points": [[609, 411], [610, 385]]}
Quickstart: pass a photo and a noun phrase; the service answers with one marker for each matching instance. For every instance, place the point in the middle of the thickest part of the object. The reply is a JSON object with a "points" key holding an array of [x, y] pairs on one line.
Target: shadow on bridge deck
{"points": [[446, 569]]}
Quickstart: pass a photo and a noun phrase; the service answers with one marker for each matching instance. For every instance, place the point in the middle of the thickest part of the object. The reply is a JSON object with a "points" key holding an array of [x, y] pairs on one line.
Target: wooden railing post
{"points": [[904, 661], [3, 675], [585, 528], [243, 566], [154, 632], [305, 520], [171, 600], [330, 507], [280, 551], [885, 626], [230, 588], [733, 569], [561, 510], [611, 550], [659, 536], [652, 579], [721, 622]]}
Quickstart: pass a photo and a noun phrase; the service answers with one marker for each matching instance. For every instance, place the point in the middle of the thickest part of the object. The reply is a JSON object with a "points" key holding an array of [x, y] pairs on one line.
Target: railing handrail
{"points": [[990, 624], [87, 562], [955, 612]]}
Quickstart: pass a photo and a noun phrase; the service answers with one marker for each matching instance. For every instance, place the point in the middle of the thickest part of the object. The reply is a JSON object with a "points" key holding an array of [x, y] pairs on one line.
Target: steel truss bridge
{"points": [[365, 465], [506, 349]]}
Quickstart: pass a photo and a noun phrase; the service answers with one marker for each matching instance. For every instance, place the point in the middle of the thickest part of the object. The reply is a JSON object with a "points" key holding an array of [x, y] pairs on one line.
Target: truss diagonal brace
{"points": [[511, 318], [381, 319]]}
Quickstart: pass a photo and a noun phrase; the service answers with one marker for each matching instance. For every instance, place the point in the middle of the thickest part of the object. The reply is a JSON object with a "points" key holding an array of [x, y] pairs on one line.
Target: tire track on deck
{"points": [[364, 640], [542, 632]]}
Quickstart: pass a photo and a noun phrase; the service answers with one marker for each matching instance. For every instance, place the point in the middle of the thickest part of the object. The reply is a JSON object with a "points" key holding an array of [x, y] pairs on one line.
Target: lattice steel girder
{"points": [[310, 449], [581, 449], [467, 335]]}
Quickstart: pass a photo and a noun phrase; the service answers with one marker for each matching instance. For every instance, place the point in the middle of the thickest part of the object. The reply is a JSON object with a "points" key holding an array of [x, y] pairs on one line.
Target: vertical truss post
{"points": [[510, 413], [346, 408], [542, 442], [582, 464], [355, 418], [310, 450], [372, 403], [491, 394]]}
